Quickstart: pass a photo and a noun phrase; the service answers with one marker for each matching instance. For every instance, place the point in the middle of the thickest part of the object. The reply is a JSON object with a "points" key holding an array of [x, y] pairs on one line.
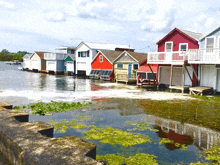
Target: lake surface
{"points": [[21, 88]]}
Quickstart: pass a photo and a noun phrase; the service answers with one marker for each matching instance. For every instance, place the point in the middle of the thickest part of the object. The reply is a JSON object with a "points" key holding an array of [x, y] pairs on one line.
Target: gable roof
{"points": [[139, 57], [40, 54], [193, 35], [101, 46], [209, 32], [27, 55]]}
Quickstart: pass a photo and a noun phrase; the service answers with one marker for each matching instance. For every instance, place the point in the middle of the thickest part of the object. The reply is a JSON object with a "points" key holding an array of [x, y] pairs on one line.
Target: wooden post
{"points": [[171, 75], [152, 72], [188, 73], [197, 78], [183, 78]]}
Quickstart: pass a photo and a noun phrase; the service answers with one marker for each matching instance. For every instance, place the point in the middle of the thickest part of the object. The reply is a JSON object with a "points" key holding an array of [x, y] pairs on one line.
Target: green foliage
{"points": [[138, 159], [168, 141], [54, 107], [83, 117], [5, 55], [16, 107], [109, 135]]}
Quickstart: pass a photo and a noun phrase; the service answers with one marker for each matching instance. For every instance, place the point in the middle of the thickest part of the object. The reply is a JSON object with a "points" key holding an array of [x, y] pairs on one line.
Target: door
{"points": [[218, 81], [129, 70], [168, 50], [69, 66], [208, 77], [35, 64]]}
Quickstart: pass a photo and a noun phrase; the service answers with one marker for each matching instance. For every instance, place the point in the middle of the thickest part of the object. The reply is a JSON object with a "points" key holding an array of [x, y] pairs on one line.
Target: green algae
{"points": [[168, 141], [55, 107], [109, 135], [83, 117], [141, 126], [138, 159]]}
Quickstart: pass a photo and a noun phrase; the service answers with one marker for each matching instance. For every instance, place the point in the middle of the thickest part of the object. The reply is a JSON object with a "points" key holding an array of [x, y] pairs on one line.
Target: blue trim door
{"points": [[129, 70]]}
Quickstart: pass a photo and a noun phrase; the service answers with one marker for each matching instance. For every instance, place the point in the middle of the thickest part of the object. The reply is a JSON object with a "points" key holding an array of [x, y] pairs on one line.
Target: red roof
{"points": [[145, 68]]}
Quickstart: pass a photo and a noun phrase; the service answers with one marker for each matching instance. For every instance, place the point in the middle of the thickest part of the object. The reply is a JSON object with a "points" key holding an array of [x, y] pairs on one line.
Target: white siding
{"points": [[70, 66], [188, 82], [35, 64], [51, 65], [208, 76]]}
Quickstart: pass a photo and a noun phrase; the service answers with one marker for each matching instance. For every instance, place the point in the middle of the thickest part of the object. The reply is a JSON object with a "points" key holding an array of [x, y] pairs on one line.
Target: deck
{"points": [[179, 87], [200, 90]]}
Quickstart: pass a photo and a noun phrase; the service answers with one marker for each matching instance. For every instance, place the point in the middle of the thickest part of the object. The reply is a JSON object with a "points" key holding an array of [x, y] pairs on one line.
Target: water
{"points": [[112, 106]]}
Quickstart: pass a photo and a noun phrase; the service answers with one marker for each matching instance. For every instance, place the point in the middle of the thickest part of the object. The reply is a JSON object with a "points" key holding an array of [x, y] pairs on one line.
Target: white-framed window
{"points": [[209, 42], [183, 47], [100, 58], [218, 42], [169, 46], [83, 54], [120, 66]]}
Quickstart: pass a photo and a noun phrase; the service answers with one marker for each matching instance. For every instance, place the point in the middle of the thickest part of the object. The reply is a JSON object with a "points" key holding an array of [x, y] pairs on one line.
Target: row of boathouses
{"points": [[184, 60]]}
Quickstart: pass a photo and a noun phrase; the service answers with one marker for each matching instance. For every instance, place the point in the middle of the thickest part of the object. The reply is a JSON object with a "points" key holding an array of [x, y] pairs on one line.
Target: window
{"points": [[120, 66], [100, 58], [151, 75], [168, 46], [183, 46], [83, 54], [135, 66], [218, 41], [142, 75], [210, 43]]}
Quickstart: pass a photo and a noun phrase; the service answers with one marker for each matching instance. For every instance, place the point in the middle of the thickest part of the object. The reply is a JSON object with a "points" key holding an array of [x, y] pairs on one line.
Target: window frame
{"points": [[100, 58], [213, 42], [180, 51], [169, 42], [137, 66], [121, 66]]}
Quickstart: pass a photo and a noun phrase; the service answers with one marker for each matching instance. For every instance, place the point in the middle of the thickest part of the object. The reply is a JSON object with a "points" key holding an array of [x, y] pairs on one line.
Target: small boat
{"points": [[14, 62]]}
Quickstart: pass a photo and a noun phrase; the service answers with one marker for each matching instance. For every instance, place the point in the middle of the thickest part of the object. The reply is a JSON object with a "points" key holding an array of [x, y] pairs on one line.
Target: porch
{"points": [[204, 56], [176, 57], [125, 78], [55, 56]]}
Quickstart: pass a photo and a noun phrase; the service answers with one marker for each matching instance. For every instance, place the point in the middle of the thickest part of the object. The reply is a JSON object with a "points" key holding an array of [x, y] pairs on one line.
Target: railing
{"points": [[204, 55], [166, 57], [125, 77], [55, 56]]}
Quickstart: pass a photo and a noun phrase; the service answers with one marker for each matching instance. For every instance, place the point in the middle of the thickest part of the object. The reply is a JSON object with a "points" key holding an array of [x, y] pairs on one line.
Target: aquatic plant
{"points": [[83, 117], [168, 141], [138, 159], [61, 127], [54, 107], [141, 126], [109, 135]]}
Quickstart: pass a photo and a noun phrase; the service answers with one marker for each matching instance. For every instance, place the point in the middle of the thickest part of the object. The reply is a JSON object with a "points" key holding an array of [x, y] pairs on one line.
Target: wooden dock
{"points": [[200, 90], [179, 87]]}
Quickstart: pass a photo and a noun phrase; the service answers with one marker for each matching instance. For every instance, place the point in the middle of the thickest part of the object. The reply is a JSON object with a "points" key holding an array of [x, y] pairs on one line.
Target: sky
{"points": [[42, 25]]}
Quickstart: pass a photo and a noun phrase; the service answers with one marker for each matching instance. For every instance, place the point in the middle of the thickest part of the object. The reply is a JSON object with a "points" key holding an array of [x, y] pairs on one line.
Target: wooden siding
{"points": [[35, 57], [216, 33], [125, 59], [178, 38], [105, 65]]}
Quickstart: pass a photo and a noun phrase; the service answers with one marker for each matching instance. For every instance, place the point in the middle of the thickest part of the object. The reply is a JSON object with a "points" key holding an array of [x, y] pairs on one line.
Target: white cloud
{"points": [[209, 22], [7, 5], [55, 16]]}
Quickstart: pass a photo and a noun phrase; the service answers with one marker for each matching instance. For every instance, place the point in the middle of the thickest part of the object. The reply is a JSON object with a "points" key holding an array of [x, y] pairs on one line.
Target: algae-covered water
{"points": [[174, 128]]}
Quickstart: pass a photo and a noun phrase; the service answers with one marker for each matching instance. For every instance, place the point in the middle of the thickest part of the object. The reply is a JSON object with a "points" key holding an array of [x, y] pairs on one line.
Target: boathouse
{"points": [[55, 61], [171, 57], [102, 65], [126, 66], [37, 62], [208, 60], [147, 74], [26, 61], [70, 64], [86, 52]]}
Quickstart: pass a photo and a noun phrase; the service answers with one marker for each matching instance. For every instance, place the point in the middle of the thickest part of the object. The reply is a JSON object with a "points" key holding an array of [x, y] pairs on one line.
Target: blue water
{"points": [[22, 87]]}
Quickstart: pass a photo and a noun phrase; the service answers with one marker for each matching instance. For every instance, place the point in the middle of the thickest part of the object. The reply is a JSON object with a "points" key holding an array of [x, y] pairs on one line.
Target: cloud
{"points": [[55, 16], [7, 5], [87, 8]]}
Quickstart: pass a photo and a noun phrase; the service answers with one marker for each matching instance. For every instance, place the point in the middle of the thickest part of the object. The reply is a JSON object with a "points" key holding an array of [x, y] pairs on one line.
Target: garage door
{"points": [[35, 64], [188, 81], [70, 66], [208, 76], [81, 66], [51, 65], [165, 75]]}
